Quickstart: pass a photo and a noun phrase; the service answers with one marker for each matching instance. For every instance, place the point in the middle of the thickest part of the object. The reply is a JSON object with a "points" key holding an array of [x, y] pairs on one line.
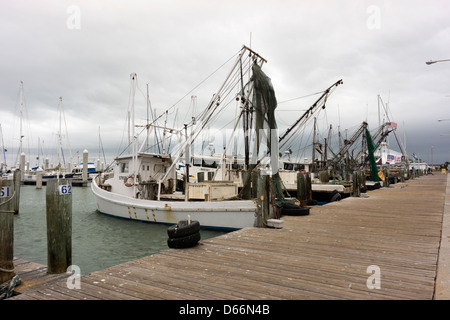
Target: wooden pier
{"points": [[384, 246]]}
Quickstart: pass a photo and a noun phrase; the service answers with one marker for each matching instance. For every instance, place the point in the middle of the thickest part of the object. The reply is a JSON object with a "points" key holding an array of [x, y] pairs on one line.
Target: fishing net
{"points": [[264, 103], [371, 147]]}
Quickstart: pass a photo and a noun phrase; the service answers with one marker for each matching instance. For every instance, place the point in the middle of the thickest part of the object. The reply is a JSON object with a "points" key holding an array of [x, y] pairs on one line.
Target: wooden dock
{"points": [[329, 254]]}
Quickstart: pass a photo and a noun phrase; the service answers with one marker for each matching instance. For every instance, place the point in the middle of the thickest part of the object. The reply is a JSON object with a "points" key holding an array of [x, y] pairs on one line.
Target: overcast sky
{"points": [[85, 51]]}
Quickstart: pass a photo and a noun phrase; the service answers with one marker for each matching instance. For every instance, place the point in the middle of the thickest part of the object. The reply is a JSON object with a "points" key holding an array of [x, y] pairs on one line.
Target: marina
{"points": [[397, 233], [119, 240]]}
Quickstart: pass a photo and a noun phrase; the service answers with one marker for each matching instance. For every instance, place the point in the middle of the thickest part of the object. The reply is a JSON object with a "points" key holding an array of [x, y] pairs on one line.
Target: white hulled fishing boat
{"points": [[143, 185]]}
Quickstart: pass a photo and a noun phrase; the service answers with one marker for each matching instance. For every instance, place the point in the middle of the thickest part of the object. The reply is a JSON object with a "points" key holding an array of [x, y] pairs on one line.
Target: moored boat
{"points": [[142, 185]]}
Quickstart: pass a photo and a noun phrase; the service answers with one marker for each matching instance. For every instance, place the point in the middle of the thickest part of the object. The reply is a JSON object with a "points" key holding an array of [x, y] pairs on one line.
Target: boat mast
{"points": [[21, 115], [211, 108], [133, 137], [313, 165], [21, 101], [59, 136], [148, 121]]}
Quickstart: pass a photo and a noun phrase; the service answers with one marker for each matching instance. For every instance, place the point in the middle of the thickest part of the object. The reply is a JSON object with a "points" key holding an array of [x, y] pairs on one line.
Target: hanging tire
{"points": [[184, 242], [183, 229]]}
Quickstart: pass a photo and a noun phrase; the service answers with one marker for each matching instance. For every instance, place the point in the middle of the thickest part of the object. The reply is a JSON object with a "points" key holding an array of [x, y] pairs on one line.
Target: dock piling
{"points": [[85, 166], [263, 185], [301, 190], [356, 192], [17, 178], [59, 225], [7, 204], [39, 179]]}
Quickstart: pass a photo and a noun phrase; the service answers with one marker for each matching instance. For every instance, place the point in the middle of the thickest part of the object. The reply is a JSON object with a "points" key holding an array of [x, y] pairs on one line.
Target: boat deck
{"points": [[329, 254]]}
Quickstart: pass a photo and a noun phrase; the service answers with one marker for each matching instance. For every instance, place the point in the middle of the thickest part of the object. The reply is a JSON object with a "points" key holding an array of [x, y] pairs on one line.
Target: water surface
{"points": [[98, 241]]}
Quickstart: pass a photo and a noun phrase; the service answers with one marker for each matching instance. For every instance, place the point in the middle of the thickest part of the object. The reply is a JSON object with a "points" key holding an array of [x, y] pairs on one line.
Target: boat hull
{"points": [[226, 215]]}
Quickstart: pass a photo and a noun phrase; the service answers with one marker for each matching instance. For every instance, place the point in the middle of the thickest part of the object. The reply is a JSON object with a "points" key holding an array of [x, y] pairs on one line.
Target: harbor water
{"points": [[98, 241]]}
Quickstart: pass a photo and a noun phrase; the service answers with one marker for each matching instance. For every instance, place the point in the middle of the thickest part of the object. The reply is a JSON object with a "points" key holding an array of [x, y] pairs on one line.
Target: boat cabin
{"points": [[138, 176]]}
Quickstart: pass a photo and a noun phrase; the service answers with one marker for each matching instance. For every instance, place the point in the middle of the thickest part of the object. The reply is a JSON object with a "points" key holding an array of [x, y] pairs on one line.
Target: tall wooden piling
{"points": [[39, 179], [85, 166], [304, 192], [59, 224], [386, 178], [356, 191], [7, 204], [17, 178], [247, 182], [308, 188], [301, 190], [262, 200], [22, 166], [362, 181]]}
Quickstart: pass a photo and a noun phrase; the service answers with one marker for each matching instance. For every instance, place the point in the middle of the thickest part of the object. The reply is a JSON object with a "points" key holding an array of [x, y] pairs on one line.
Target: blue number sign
{"points": [[65, 189]]}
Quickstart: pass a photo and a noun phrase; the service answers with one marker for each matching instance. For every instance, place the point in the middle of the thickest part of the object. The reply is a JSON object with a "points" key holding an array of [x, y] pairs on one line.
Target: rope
{"points": [[7, 289], [6, 270]]}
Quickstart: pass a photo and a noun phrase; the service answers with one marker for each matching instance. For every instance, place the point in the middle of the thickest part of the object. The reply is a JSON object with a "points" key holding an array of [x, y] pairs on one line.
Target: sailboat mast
{"points": [[148, 121], [59, 133], [133, 78], [21, 116]]}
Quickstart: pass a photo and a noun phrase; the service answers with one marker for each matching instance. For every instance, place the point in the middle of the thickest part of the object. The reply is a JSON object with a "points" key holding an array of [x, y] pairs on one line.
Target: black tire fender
{"points": [[183, 228], [184, 242]]}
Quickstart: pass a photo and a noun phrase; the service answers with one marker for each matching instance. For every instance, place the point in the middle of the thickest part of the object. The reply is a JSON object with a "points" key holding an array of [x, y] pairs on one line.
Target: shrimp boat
{"points": [[142, 185]]}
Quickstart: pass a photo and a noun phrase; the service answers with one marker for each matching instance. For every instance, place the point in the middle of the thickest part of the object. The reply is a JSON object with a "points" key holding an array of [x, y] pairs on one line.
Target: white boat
{"points": [[143, 185], [127, 196]]}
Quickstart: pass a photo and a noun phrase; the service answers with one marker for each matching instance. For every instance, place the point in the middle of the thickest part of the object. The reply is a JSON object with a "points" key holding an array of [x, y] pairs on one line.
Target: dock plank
{"points": [[321, 256]]}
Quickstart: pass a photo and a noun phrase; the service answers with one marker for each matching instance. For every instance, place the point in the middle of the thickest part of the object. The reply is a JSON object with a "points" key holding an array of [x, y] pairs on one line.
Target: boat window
{"points": [[288, 166], [124, 167], [197, 162], [209, 164]]}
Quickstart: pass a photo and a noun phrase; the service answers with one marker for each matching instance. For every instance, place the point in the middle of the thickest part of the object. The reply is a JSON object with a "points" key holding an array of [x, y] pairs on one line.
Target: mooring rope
{"points": [[7, 289]]}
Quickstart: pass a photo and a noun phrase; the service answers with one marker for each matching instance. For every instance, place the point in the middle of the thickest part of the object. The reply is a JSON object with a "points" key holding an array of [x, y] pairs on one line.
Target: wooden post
{"points": [[362, 180], [308, 189], [39, 179], [85, 166], [22, 166], [59, 225], [254, 186], [17, 177], [7, 204], [386, 178], [356, 191], [301, 189], [247, 190], [262, 200]]}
